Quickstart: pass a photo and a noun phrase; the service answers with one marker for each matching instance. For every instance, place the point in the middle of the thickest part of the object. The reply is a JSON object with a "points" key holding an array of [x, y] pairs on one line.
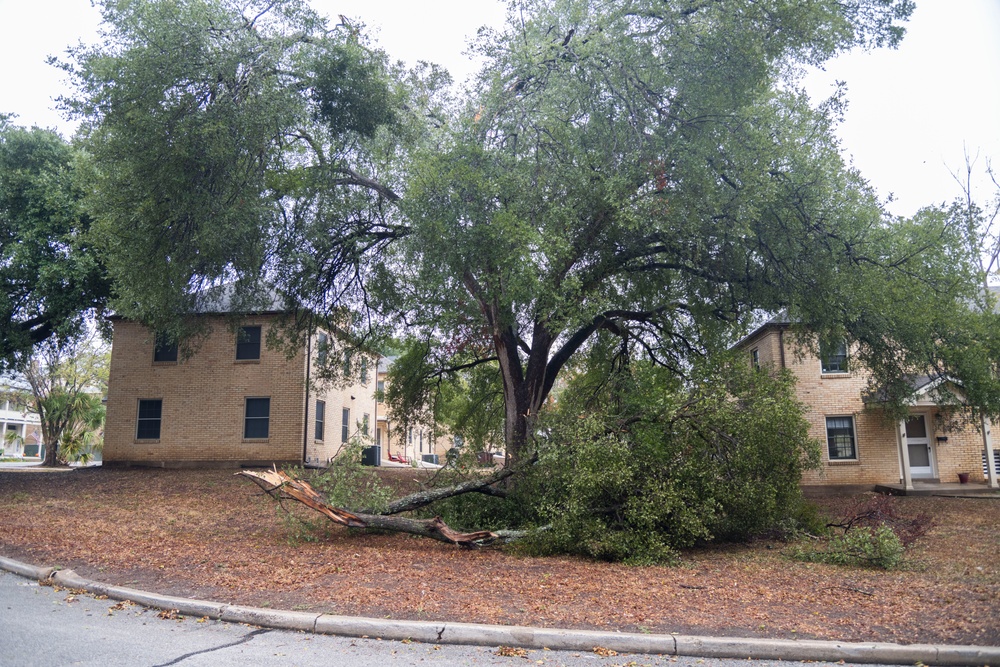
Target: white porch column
{"points": [[991, 471], [904, 454]]}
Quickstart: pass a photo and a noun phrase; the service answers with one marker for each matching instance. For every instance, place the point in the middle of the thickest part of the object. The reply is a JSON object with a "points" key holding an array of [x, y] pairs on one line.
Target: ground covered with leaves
{"points": [[211, 535]]}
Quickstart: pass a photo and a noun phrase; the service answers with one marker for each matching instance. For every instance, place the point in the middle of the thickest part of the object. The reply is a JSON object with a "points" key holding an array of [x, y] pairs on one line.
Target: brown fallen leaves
{"points": [[206, 534]]}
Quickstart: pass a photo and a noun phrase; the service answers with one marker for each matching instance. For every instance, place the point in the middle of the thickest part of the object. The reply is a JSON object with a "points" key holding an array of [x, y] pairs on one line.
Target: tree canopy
{"points": [[51, 279], [639, 168]]}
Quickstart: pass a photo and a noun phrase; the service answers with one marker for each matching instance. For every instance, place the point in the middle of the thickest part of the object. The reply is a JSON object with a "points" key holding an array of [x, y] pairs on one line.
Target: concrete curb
{"points": [[528, 637]]}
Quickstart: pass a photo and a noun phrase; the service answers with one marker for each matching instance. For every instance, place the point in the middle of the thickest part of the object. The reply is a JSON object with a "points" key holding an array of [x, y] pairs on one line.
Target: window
{"points": [[320, 417], [164, 350], [378, 437], [248, 343], [834, 357], [421, 441], [150, 416], [322, 348], [840, 438], [364, 424], [347, 364], [345, 425], [380, 391], [364, 371], [256, 423], [755, 359]]}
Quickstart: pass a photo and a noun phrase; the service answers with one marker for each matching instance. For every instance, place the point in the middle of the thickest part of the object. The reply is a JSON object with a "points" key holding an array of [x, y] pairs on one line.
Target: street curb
{"points": [[529, 637]]}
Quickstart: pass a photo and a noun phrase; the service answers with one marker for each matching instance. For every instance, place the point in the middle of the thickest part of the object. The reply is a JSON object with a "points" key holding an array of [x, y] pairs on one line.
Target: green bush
{"points": [[866, 546]]}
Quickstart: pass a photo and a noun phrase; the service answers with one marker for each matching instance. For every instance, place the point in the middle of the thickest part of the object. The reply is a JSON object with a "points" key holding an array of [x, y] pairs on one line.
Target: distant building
{"points": [[17, 418]]}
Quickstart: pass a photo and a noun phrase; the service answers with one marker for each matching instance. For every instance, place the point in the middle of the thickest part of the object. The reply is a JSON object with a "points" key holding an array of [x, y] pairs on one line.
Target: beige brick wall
{"points": [[394, 440], [840, 394], [358, 398], [203, 400]]}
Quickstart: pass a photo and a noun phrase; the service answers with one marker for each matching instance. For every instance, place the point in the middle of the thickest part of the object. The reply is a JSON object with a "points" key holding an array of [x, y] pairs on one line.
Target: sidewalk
{"points": [[528, 637]]}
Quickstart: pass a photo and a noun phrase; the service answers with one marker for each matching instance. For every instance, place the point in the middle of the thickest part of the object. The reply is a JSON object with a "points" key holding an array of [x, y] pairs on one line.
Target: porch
{"points": [[944, 489]]}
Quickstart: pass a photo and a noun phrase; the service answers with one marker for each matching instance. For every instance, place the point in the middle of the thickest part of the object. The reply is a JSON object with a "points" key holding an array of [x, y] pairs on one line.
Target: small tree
{"points": [[68, 379]]}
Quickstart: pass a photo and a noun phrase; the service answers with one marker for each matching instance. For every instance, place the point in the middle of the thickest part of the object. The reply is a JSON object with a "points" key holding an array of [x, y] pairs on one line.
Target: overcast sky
{"points": [[912, 111]]}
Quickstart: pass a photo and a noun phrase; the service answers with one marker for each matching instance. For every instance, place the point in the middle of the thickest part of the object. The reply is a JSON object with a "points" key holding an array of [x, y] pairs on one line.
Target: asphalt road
{"points": [[42, 626]]}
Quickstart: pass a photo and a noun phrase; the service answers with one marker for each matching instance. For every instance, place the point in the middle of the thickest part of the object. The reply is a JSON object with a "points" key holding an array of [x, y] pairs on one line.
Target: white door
{"points": [[918, 443]]}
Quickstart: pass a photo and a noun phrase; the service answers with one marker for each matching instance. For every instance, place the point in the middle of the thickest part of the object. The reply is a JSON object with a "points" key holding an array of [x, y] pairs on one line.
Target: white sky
{"points": [[912, 111]]}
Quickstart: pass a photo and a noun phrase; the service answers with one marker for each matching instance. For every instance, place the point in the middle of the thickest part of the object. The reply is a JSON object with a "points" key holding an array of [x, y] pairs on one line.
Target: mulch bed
{"points": [[211, 535]]}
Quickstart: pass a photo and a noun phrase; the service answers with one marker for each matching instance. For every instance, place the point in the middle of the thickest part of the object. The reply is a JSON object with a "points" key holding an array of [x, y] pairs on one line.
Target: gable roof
{"points": [[778, 321], [224, 299]]}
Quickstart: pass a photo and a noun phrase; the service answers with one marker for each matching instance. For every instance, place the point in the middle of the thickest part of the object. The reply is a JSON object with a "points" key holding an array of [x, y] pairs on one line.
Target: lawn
{"points": [[212, 535]]}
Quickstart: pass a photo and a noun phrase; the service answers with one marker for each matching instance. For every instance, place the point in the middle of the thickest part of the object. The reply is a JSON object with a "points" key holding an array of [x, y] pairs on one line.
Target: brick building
{"points": [[416, 442], [232, 402], [861, 446]]}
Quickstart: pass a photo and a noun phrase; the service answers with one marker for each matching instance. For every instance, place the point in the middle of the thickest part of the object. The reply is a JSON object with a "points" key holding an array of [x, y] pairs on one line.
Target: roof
{"points": [[921, 385], [779, 321], [224, 299]]}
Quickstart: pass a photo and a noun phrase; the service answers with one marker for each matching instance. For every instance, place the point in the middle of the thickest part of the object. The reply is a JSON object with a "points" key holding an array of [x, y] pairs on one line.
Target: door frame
{"points": [[922, 473]]}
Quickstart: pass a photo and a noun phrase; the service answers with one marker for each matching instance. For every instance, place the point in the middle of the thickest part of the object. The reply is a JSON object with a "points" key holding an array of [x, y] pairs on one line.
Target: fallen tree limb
{"points": [[420, 499], [280, 484]]}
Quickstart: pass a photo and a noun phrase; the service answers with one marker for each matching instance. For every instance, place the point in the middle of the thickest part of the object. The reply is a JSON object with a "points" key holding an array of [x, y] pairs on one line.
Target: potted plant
{"points": [[963, 478]]}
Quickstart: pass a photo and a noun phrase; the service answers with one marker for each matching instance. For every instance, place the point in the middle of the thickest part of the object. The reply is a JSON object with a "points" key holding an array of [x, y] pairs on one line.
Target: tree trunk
{"points": [[51, 449], [524, 389]]}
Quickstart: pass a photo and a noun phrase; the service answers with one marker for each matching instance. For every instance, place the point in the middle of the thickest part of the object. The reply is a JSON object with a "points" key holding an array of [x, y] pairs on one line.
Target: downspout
{"points": [[305, 426]]}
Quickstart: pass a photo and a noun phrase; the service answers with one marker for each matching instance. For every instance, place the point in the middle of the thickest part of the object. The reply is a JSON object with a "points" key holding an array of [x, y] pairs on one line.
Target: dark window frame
{"points": [[322, 348], [345, 424], [841, 438], [164, 352], [252, 422], [145, 418], [834, 361], [320, 420], [248, 343]]}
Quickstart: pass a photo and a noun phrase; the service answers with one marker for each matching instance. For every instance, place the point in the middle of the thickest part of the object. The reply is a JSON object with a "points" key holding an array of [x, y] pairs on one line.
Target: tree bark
{"points": [[281, 485]]}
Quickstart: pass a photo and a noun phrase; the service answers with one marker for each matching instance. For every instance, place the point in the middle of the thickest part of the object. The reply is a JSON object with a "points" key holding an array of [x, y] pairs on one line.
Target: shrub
{"points": [[865, 546], [875, 535], [875, 510]]}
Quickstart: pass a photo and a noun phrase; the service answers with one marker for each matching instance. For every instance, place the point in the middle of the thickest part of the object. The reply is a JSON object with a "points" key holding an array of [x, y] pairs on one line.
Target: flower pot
{"points": [[963, 478]]}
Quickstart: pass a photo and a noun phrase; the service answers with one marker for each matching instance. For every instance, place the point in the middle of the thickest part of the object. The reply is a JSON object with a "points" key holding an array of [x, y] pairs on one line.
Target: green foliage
{"points": [[633, 468], [347, 483], [68, 381], [223, 139], [83, 438], [51, 280], [805, 518], [646, 169], [352, 91], [864, 546]]}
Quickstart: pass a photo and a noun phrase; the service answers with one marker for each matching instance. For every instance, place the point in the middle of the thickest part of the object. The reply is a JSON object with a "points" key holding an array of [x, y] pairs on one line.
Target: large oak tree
{"points": [[645, 168]]}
